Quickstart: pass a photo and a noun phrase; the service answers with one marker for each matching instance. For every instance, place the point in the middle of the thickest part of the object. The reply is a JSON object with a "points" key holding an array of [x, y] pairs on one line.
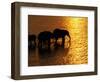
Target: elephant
{"points": [[32, 41], [44, 38], [59, 33]]}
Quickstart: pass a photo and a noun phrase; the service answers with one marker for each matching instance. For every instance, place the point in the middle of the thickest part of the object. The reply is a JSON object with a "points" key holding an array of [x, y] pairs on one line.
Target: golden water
{"points": [[78, 29]]}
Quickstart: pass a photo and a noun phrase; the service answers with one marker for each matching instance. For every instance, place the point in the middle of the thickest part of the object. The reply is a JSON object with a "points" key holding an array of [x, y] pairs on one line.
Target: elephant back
{"points": [[60, 33], [31, 37], [44, 35]]}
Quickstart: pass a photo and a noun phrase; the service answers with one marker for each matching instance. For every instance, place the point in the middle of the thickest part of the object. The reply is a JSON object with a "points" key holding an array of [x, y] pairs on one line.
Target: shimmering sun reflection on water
{"points": [[78, 30]]}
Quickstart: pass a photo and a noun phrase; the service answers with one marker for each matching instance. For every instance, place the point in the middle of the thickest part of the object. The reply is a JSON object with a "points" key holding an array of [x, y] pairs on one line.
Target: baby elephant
{"points": [[32, 41]]}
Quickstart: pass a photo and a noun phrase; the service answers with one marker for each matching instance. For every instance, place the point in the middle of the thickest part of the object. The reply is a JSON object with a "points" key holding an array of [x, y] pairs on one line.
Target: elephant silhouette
{"points": [[44, 39], [59, 33], [32, 41]]}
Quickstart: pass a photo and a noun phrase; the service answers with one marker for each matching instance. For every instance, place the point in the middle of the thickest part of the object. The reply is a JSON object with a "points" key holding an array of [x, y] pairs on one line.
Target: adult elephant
{"points": [[59, 33], [32, 41], [44, 39]]}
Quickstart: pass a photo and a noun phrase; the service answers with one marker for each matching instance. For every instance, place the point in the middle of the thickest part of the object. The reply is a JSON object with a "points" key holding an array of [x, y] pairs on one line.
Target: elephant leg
{"points": [[29, 44], [35, 43], [40, 44], [56, 41], [49, 43], [63, 41], [55, 45], [43, 43]]}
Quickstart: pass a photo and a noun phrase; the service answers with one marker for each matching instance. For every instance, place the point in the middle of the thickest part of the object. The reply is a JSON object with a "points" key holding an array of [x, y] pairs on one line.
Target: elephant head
{"points": [[59, 33]]}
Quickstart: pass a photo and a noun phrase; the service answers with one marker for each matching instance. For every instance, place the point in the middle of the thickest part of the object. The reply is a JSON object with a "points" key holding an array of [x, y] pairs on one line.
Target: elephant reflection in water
{"points": [[44, 39], [59, 33], [32, 41]]}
